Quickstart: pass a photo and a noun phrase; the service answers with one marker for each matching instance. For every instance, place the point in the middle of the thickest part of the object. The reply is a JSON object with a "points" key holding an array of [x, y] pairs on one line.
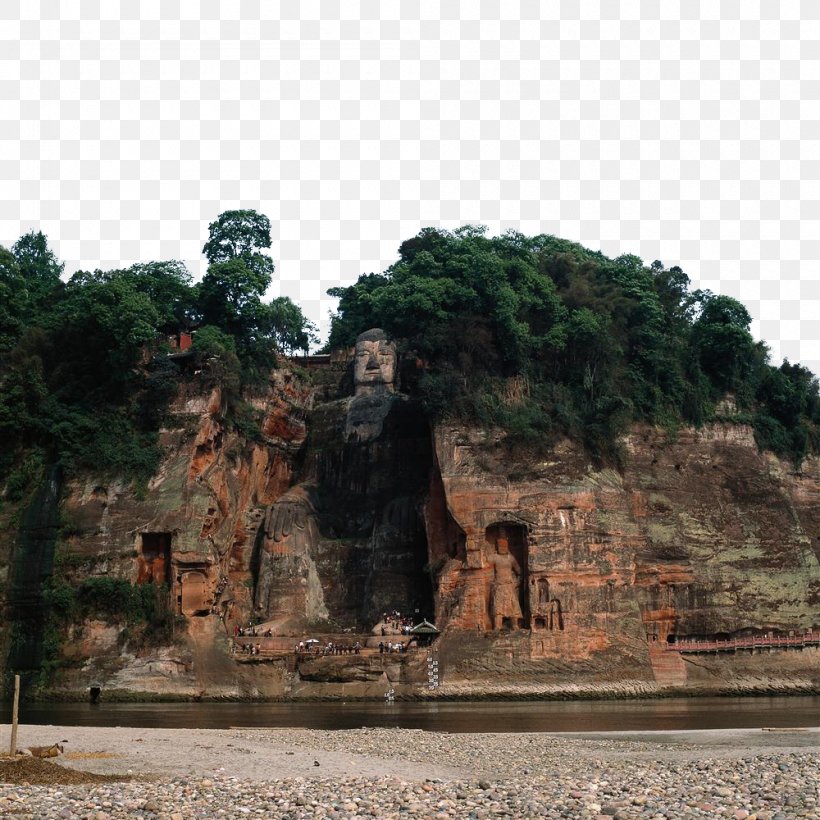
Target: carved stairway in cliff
{"points": [[668, 666]]}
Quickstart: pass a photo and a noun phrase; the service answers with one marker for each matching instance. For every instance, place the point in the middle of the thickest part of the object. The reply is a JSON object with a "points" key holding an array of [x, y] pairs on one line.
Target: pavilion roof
{"points": [[424, 628]]}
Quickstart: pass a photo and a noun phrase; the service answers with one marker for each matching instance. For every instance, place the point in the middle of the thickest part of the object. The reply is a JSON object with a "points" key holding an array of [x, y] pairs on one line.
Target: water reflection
{"points": [[529, 716]]}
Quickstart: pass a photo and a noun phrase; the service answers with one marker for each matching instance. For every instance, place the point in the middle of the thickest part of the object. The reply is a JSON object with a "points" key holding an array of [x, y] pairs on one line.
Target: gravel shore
{"points": [[178, 774]]}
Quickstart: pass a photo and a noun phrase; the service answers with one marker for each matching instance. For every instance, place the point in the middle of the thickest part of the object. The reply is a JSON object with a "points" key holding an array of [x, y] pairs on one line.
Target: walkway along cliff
{"points": [[546, 577]]}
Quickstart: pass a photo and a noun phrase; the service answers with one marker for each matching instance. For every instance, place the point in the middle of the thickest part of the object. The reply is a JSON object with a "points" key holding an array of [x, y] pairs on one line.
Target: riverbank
{"points": [[473, 691], [386, 773]]}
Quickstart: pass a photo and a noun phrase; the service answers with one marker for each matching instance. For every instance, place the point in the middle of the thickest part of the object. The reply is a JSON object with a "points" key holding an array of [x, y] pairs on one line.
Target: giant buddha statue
{"points": [[353, 513], [374, 380], [374, 363]]}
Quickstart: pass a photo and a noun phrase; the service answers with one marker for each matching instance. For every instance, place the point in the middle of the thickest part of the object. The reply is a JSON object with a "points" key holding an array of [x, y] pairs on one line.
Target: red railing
{"points": [[755, 642]]}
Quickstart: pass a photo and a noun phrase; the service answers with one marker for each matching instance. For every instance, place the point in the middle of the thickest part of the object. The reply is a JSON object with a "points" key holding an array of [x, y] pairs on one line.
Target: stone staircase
{"points": [[667, 666]]}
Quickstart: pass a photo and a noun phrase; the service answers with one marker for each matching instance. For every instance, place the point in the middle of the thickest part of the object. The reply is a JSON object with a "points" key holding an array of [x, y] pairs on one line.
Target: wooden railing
{"points": [[753, 642]]}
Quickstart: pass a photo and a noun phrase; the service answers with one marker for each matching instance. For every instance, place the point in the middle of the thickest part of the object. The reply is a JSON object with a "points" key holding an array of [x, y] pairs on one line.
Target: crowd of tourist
{"points": [[315, 648], [251, 631], [398, 646], [394, 622], [245, 648]]}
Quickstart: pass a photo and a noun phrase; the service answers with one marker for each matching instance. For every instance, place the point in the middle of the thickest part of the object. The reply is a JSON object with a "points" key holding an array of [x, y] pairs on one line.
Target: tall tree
{"points": [[241, 235], [13, 297], [727, 351], [230, 297], [290, 327], [168, 286], [230, 293], [39, 267]]}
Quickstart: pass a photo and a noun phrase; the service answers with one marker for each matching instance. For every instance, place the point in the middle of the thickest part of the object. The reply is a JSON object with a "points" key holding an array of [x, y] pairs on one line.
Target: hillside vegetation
{"points": [[535, 335], [85, 378], [544, 338]]}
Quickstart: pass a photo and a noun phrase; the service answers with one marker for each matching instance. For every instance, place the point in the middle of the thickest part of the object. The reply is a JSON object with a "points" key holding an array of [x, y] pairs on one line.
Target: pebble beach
{"points": [[178, 774]]}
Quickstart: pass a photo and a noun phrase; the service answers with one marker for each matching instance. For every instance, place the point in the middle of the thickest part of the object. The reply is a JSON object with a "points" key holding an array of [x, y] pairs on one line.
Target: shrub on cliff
{"points": [[229, 297], [143, 611], [599, 342], [144, 608], [84, 374]]}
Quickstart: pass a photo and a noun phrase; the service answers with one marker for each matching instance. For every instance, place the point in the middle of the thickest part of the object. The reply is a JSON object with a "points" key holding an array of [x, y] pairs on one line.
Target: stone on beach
{"points": [[399, 773]]}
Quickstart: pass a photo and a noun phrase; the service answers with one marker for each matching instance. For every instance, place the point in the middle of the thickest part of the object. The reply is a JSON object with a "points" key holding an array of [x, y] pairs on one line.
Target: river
{"points": [[529, 716]]}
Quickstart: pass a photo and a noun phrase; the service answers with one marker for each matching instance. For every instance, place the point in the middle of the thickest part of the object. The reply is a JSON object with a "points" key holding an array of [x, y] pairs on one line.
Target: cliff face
{"points": [[699, 537], [346, 543], [190, 533], [540, 573]]}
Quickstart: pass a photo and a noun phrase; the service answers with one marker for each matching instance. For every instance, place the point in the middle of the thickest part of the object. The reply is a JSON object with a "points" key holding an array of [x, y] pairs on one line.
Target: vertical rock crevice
{"points": [[32, 564]]}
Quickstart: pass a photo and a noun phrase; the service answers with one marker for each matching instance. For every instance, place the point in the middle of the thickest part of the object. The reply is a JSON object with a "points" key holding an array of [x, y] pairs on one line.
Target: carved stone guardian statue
{"points": [[505, 606]]}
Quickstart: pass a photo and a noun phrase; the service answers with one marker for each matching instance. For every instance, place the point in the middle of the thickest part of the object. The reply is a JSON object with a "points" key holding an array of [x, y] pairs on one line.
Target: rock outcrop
{"points": [[545, 576], [701, 536], [190, 532], [347, 542]]}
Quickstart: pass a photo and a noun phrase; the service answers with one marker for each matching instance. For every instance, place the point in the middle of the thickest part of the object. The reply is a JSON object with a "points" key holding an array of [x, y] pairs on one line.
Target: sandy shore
{"points": [[187, 773]]}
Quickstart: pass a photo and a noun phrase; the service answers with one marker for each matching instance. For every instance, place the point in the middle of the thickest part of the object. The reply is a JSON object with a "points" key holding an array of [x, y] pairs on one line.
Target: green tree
{"points": [[39, 267], [355, 313], [168, 286], [230, 294], [104, 321], [230, 298], [215, 352], [241, 235], [13, 300], [290, 328], [22, 392], [726, 349], [539, 336]]}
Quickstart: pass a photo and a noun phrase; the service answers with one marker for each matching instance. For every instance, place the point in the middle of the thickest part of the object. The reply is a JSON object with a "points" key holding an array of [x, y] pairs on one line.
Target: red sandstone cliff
{"points": [[548, 575], [193, 529], [699, 536]]}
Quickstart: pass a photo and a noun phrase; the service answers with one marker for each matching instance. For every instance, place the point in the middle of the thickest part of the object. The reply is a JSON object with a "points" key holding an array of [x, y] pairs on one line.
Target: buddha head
{"points": [[374, 365]]}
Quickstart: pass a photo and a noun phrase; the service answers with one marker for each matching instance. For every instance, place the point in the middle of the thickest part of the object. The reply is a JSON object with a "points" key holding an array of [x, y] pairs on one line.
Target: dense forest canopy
{"points": [[543, 338], [535, 335], [85, 378]]}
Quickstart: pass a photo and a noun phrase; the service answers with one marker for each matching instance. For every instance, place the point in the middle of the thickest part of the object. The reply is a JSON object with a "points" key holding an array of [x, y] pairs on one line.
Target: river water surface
{"points": [[529, 716]]}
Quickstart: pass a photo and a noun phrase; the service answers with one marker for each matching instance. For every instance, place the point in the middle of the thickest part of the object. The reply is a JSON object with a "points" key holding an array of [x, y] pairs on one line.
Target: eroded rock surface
{"points": [[544, 575], [347, 542], [701, 536]]}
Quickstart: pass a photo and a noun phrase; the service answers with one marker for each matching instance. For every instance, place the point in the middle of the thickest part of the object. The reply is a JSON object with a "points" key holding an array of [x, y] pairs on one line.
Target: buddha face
{"points": [[374, 366]]}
